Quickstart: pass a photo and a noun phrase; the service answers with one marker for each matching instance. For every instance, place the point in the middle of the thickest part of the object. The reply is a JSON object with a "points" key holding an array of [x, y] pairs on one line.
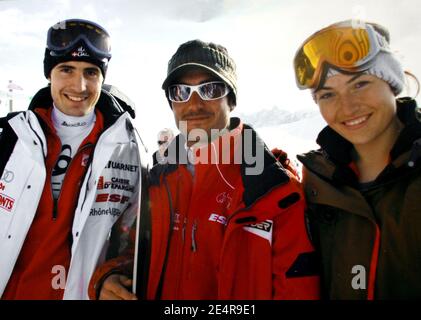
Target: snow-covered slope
{"points": [[293, 132], [276, 116]]}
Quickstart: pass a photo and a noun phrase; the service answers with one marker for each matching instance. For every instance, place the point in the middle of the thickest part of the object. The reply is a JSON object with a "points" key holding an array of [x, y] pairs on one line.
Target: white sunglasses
{"points": [[207, 91]]}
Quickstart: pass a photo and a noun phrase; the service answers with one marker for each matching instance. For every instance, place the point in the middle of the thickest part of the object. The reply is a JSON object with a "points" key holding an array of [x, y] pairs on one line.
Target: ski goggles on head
{"points": [[65, 35], [346, 45], [207, 91]]}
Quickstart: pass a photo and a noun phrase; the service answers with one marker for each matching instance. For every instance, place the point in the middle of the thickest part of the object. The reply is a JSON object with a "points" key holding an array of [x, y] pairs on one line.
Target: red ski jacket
{"points": [[220, 233]]}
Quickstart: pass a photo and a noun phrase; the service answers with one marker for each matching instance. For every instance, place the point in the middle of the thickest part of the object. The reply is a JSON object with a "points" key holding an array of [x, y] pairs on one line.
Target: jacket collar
{"points": [[410, 116], [112, 103]]}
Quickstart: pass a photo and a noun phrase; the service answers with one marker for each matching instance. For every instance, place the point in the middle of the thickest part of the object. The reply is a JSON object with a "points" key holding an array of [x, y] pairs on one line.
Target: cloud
{"points": [[197, 10]]}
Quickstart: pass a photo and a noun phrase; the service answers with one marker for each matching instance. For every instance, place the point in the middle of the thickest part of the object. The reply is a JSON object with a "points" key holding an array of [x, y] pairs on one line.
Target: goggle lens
{"points": [[64, 35], [344, 47]]}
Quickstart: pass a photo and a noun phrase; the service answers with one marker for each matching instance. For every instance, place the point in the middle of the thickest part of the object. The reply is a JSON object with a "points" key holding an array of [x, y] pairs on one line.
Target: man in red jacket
{"points": [[227, 219]]}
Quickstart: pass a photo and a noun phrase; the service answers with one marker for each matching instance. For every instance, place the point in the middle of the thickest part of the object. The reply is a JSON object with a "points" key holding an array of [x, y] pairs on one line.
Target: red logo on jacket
{"points": [[106, 197], [100, 183], [6, 202], [218, 218]]}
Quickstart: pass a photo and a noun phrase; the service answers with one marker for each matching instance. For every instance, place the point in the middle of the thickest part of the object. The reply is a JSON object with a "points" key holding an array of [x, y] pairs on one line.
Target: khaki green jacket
{"points": [[368, 236]]}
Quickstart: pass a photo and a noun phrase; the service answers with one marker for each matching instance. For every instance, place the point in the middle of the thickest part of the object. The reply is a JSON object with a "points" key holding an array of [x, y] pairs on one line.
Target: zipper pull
{"points": [[415, 153], [55, 209], [193, 234], [183, 231]]}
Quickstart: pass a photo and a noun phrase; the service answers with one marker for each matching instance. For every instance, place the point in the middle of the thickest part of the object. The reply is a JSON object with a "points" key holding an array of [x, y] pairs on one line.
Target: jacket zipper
{"points": [[55, 201], [55, 206], [183, 231], [45, 163], [193, 237]]}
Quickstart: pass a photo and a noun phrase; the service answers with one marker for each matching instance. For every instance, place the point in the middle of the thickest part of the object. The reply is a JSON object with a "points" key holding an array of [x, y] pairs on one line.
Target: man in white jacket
{"points": [[70, 172]]}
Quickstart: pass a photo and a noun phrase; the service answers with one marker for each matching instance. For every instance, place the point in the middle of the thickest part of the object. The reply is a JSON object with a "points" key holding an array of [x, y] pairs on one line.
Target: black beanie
{"points": [[207, 55], [79, 53]]}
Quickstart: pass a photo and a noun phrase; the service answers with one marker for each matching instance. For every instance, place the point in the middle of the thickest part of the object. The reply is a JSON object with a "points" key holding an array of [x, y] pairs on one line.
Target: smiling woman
{"points": [[362, 109], [363, 185]]}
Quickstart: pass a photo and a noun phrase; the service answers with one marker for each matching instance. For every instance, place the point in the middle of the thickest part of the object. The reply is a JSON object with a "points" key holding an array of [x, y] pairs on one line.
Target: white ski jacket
{"points": [[100, 204]]}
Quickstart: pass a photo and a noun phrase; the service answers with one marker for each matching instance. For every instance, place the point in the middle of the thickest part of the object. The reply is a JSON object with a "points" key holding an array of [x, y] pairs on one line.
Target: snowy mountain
{"points": [[275, 117], [293, 132]]}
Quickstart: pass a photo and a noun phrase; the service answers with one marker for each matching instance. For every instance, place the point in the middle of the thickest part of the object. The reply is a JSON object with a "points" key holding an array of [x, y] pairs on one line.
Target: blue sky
{"points": [[261, 35]]}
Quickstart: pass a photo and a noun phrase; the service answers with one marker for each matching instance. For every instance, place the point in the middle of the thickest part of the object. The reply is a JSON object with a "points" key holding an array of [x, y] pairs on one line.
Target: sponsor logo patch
{"points": [[114, 212], [264, 226], [100, 185], [224, 197], [6, 202], [262, 229], [218, 218], [121, 166], [115, 184], [7, 176], [107, 197], [73, 125], [80, 52]]}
